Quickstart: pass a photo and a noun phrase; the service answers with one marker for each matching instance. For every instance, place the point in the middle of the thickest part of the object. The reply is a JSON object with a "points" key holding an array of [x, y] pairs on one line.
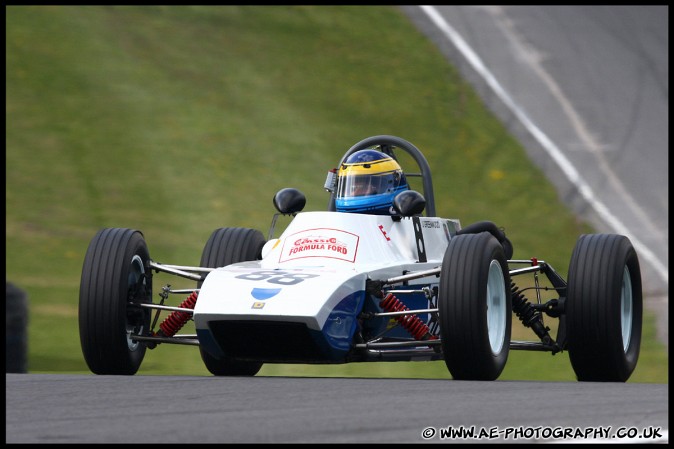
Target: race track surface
{"points": [[44, 408]]}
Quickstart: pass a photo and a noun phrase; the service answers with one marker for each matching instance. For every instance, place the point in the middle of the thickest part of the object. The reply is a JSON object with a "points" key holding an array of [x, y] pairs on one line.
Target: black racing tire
{"points": [[604, 308], [16, 335], [115, 272], [227, 366], [474, 307], [225, 247]]}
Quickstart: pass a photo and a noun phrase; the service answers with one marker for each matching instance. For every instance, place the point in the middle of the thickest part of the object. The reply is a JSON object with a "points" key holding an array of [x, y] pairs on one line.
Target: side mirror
{"points": [[409, 202], [289, 201]]}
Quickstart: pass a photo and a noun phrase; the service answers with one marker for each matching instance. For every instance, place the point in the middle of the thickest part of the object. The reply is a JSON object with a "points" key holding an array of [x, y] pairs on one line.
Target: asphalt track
{"points": [[596, 82], [586, 91], [45, 408]]}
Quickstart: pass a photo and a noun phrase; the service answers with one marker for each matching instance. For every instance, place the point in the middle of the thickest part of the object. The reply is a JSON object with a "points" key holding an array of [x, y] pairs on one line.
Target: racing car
{"points": [[346, 285]]}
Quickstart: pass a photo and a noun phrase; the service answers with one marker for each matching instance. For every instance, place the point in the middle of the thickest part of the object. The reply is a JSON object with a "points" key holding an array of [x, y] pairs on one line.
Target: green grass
{"points": [[180, 120]]}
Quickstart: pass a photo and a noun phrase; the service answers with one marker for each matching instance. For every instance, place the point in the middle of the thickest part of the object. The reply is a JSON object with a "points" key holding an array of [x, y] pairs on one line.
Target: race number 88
{"points": [[277, 277]]}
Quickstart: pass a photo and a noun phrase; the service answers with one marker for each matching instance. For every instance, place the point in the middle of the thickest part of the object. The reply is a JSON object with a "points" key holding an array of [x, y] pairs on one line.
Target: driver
{"points": [[367, 182]]}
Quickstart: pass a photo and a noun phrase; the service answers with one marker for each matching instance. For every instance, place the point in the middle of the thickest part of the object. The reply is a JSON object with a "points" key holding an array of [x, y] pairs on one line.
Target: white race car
{"points": [[353, 284]]}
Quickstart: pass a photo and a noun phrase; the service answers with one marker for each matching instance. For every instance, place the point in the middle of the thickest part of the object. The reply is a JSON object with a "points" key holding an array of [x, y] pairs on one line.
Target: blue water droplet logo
{"points": [[264, 293]]}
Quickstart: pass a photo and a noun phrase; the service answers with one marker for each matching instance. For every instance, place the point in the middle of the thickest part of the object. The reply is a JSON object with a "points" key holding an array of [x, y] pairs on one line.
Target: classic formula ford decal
{"points": [[320, 242]]}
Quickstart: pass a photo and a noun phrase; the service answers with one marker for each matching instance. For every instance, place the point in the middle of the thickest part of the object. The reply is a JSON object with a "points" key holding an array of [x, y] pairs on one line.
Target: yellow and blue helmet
{"points": [[367, 182]]}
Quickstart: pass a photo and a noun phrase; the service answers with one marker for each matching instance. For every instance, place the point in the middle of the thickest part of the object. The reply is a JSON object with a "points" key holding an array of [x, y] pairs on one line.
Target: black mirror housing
{"points": [[289, 201], [409, 203]]}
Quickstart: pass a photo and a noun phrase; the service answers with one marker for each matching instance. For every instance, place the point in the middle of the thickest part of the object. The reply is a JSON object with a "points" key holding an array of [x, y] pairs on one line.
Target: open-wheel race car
{"points": [[382, 279]]}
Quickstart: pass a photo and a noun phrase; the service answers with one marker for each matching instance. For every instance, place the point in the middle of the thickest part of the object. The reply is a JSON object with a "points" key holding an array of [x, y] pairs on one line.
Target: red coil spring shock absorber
{"points": [[411, 323], [176, 320]]}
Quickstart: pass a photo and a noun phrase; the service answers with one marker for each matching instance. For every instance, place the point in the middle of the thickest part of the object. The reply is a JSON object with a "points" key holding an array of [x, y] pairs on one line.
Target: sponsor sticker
{"points": [[381, 228], [320, 242], [430, 224], [264, 293]]}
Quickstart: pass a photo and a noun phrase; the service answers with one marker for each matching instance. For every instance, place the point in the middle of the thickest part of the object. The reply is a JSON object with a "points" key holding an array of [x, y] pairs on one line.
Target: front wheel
{"points": [[225, 247], [114, 278], [604, 308], [474, 307]]}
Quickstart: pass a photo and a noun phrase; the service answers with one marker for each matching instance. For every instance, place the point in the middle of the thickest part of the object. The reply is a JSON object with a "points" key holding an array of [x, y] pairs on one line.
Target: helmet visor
{"points": [[352, 186]]}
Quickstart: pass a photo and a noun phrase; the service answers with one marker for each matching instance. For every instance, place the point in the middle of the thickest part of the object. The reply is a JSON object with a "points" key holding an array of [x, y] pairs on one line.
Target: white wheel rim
{"points": [[626, 310], [136, 269], [496, 307]]}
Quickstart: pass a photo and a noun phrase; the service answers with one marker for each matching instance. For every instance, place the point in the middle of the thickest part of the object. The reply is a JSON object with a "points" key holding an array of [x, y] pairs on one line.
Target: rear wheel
{"points": [[604, 308], [225, 247], [475, 307], [114, 275]]}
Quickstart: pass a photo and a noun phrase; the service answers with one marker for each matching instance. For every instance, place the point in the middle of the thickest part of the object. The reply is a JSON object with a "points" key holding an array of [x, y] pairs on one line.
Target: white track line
{"points": [[553, 151]]}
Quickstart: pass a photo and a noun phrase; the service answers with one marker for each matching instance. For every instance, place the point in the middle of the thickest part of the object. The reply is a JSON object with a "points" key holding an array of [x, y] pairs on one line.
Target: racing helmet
{"points": [[367, 182]]}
